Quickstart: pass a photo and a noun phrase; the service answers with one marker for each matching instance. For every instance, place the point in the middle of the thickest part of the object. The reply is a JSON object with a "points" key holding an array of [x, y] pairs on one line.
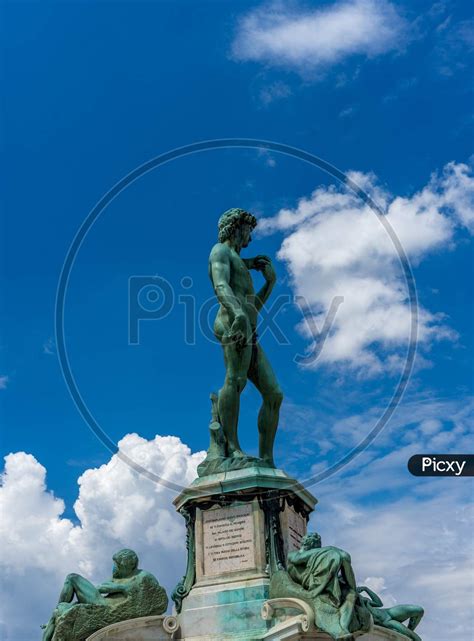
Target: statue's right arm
{"points": [[220, 275]]}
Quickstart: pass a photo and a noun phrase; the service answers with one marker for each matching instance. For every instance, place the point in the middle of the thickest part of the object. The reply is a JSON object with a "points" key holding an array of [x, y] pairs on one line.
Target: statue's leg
{"points": [[415, 616], [67, 591], [85, 592], [399, 627], [403, 612], [262, 376], [237, 361]]}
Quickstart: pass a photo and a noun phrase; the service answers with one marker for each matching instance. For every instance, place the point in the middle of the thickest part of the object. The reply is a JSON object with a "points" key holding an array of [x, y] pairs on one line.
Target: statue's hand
{"points": [[264, 264], [249, 263], [240, 330], [254, 263]]}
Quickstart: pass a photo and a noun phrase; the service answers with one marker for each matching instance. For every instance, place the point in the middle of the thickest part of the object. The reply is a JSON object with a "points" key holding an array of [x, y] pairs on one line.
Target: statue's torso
{"points": [[242, 286]]}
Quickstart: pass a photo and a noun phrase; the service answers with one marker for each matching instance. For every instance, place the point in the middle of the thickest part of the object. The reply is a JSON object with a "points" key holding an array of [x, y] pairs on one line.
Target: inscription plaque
{"points": [[228, 535], [293, 529]]}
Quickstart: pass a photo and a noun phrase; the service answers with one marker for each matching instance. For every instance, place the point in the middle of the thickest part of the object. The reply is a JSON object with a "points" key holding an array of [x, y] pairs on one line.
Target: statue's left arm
{"points": [[375, 600], [264, 265], [110, 587]]}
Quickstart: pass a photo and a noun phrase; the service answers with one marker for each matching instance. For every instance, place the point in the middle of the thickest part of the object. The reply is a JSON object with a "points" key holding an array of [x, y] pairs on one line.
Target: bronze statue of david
{"points": [[235, 327]]}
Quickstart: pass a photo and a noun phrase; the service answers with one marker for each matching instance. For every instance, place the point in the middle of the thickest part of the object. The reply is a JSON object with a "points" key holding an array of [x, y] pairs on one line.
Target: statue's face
{"points": [[121, 568], [245, 234]]}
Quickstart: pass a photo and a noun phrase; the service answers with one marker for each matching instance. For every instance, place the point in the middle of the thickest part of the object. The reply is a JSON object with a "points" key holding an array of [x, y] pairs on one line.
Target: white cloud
{"points": [[116, 507], [4, 381], [377, 584], [430, 426], [315, 39], [335, 245]]}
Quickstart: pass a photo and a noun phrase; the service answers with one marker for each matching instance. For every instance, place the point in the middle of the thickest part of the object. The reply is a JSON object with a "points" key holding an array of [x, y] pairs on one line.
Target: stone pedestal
{"points": [[240, 527], [153, 628], [382, 634], [292, 633]]}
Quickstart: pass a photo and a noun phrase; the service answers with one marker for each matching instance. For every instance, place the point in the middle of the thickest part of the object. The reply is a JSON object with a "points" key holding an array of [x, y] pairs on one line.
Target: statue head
{"points": [[125, 563], [236, 224], [311, 541]]}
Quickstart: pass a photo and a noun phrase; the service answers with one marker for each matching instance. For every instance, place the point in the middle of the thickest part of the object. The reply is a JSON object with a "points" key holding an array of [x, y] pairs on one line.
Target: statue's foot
{"points": [[237, 453], [268, 460]]}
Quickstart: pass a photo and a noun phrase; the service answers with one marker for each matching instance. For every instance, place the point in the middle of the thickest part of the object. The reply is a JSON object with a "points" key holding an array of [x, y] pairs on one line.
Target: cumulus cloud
{"points": [[116, 507], [335, 245], [314, 39]]}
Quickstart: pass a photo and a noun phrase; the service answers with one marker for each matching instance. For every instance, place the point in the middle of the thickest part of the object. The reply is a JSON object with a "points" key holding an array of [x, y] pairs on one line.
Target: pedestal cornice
{"points": [[248, 481]]}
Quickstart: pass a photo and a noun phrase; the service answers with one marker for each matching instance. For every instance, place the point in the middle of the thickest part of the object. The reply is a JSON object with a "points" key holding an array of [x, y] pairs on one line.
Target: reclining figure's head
{"points": [[125, 563], [311, 541]]}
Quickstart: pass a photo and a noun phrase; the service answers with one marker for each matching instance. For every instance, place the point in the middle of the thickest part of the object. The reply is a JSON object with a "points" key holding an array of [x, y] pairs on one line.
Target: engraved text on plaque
{"points": [[294, 529], [228, 535]]}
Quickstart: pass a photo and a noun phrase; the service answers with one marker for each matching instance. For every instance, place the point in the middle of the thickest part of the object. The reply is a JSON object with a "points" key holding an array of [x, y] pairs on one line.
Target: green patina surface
{"points": [[323, 577], [236, 329], [392, 618], [255, 478], [84, 608], [243, 594], [236, 613], [227, 596]]}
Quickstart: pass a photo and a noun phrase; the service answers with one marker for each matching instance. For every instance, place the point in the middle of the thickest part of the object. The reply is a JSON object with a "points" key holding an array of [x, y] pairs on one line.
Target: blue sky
{"points": [[381, 90]]}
